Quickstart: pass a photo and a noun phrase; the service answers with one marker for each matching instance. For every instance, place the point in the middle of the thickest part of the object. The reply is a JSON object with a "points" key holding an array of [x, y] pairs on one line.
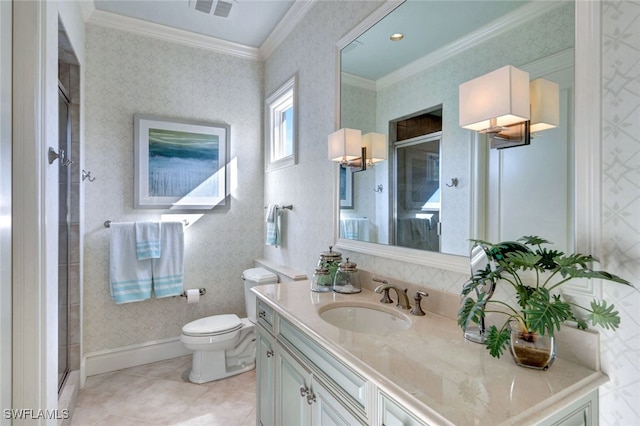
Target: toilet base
{"points": [[199, 377], [208, 366]]}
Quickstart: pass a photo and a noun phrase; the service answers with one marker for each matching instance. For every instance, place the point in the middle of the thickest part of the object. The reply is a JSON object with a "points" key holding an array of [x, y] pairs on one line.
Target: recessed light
{"points": [[396, 37]]}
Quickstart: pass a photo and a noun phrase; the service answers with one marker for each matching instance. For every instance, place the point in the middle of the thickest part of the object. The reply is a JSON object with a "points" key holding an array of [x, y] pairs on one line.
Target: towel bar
{"points": [[288, 207], [107, 223]]}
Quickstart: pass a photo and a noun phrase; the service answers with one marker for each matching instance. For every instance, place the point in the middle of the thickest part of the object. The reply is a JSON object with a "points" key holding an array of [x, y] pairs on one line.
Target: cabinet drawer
{"points": [[264, 313], [346, 381]]}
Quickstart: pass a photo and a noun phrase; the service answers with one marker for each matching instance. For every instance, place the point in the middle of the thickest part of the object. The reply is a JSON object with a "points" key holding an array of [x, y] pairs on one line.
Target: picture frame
{"points": [[179, 164], [346, 187]]}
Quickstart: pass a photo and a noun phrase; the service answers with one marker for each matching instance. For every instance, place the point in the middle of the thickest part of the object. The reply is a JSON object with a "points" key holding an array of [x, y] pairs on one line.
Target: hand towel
{"points": [[130, 278], [148, 240], [273, 228], [168, 269]]}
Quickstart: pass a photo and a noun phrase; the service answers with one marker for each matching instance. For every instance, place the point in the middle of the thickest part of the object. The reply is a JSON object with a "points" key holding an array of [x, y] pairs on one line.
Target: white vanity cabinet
{"points": [[311, 373]]}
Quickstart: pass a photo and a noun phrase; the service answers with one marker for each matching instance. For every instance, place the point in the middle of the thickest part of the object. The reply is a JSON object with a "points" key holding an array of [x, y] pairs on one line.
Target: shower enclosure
{"points": [[69, 179]]}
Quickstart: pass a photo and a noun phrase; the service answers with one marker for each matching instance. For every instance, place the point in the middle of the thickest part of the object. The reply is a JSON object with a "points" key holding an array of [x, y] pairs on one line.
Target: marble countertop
{"points": [[430, 368]]}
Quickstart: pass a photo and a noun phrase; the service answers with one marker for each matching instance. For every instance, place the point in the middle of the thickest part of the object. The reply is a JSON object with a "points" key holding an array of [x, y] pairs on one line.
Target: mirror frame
{"points": [[587, 157]]}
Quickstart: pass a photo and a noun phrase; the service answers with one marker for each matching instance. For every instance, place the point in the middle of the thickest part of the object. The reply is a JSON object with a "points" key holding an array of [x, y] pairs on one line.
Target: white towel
{"points": [[148, 240], [168, 269], [273, 228], [130, 278]]}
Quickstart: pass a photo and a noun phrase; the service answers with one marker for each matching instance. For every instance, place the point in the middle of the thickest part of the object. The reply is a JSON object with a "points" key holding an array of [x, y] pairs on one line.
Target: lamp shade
{"points": [[545, 104], [502, 95], [376, 144], [345, 145]]}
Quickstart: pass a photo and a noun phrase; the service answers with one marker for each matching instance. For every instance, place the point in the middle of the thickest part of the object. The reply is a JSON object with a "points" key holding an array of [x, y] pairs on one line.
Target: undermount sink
{"points": [[365, 319]]}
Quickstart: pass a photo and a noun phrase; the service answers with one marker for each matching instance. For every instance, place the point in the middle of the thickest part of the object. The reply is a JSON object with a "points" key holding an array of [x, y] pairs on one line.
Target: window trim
{"points": [[276, 104]]}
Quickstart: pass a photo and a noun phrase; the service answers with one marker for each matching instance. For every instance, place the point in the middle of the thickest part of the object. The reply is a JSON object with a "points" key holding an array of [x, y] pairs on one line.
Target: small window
{"points": [[281, 140]]}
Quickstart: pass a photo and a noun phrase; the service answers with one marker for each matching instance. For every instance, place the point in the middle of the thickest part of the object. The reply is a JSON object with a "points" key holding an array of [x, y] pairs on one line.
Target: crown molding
{"points": [[162, 32], [509, 22], [357, 81], [386, 8], [285, 27]]}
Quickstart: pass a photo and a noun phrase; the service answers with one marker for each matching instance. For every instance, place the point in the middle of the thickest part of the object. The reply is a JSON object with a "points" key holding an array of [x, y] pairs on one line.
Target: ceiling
{"points": [[254, 28], [249, 22], [427, 26]]}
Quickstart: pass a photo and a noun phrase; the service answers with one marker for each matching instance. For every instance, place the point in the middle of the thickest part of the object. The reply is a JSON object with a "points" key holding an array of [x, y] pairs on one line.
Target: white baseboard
{"points": [[131, 356]]}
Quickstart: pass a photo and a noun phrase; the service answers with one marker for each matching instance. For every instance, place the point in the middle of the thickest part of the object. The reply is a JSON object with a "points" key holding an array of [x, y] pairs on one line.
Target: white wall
{"points": [[310, 52], [128, 74]]}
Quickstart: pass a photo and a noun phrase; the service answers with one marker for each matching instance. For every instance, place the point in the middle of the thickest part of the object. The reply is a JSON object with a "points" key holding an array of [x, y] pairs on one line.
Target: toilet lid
{"points": [[217, 324]]}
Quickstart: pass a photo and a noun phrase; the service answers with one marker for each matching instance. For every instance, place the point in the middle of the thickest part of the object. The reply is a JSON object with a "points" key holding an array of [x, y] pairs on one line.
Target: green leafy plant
{"points": [[540, 310]]}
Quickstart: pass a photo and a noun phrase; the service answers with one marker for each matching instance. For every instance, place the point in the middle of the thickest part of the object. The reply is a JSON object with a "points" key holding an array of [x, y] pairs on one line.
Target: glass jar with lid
{"points": [[331, 261], [347, 279], [321, 281]]}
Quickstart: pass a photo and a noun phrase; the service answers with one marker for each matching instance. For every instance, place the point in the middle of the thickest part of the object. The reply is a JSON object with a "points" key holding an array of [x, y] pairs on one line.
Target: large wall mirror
{"points": [[441, 185]]}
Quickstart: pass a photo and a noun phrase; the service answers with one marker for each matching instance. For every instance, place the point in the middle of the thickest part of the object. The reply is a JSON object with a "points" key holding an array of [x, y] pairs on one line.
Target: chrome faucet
{"points": [[403, 300]]}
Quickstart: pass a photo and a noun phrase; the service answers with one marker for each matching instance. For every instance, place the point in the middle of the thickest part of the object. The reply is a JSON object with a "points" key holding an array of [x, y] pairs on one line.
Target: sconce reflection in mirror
{"points": [[352, 149], [506, 106]]}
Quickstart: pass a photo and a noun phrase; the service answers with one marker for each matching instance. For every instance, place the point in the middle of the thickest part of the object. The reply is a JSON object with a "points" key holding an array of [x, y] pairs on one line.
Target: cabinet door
{"points": [[265, 372], [392, 414], [583, 412], [293, 390], [327, 410]]}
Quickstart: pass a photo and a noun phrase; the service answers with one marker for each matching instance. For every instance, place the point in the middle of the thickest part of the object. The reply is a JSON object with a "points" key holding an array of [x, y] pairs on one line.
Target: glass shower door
{"points": [[64, 180]]}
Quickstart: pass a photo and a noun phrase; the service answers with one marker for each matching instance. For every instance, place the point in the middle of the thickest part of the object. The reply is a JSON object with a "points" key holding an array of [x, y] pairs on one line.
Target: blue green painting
{"points": [[182, 162]]}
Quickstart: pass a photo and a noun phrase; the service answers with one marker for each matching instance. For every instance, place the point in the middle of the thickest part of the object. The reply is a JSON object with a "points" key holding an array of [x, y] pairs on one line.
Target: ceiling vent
{"points": [[219, 8]]}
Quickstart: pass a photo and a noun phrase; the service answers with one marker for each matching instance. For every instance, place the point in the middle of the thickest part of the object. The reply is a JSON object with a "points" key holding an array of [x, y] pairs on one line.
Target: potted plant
{"points": [[535, 273]]}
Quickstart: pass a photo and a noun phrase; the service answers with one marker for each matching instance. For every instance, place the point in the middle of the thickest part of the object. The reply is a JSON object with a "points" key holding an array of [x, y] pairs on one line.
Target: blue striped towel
{"points": [[273, 227], [148, 240], [168, 269], [129, 278]]}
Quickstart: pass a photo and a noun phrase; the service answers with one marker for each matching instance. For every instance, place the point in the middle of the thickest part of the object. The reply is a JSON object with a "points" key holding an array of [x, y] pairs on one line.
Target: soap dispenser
{"points": [[347, 278]]}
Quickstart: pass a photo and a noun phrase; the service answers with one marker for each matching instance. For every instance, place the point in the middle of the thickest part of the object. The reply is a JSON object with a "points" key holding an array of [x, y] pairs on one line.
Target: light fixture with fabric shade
{"points": [[498, 104], [345, 145], [376, 144], [501, 95], [545, 105]]}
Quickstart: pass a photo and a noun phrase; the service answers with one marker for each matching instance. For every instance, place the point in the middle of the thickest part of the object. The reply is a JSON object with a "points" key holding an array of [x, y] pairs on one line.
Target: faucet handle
{"points": [[385, 296], [417, 309]]}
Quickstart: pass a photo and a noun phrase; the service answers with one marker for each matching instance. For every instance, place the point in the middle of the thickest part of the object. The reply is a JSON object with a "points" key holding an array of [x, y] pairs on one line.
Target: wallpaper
{"points": [[621, 207], [127, 74]]}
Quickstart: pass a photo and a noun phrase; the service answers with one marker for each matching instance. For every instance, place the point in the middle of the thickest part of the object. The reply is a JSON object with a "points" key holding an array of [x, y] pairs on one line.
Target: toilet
{"points": [[225, 345]]}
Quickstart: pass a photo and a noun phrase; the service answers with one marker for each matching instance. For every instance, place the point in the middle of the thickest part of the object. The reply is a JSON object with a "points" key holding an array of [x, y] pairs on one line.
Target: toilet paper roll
{"points": [[193, 296]]}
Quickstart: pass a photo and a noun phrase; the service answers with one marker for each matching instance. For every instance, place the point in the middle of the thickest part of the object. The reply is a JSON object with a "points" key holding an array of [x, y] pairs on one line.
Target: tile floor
{"points": [[161, 394]]}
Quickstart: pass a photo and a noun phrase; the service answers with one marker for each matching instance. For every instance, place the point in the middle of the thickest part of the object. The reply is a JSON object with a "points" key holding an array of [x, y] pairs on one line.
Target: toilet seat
{"points": [[213, 325]]}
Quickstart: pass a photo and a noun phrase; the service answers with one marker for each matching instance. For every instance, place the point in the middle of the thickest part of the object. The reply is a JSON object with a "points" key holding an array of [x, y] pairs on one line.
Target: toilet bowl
{"points": [[225, 345]]}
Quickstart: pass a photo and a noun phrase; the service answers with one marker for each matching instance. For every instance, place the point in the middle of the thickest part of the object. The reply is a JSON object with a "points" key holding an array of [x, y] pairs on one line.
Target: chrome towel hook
{"points": [[454, 183], [87, 175]]}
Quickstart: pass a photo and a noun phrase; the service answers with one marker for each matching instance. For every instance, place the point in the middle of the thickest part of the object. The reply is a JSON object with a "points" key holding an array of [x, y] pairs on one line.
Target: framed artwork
{"points": [[179, 164], [346, 188]]}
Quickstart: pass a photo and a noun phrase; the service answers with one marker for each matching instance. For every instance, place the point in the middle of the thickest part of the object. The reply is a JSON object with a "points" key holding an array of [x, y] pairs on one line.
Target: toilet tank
{"points": [[252, 277]]}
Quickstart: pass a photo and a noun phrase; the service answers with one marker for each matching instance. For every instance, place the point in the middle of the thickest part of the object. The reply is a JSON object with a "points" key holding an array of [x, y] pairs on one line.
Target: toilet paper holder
{"points": [[202, 292]]}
